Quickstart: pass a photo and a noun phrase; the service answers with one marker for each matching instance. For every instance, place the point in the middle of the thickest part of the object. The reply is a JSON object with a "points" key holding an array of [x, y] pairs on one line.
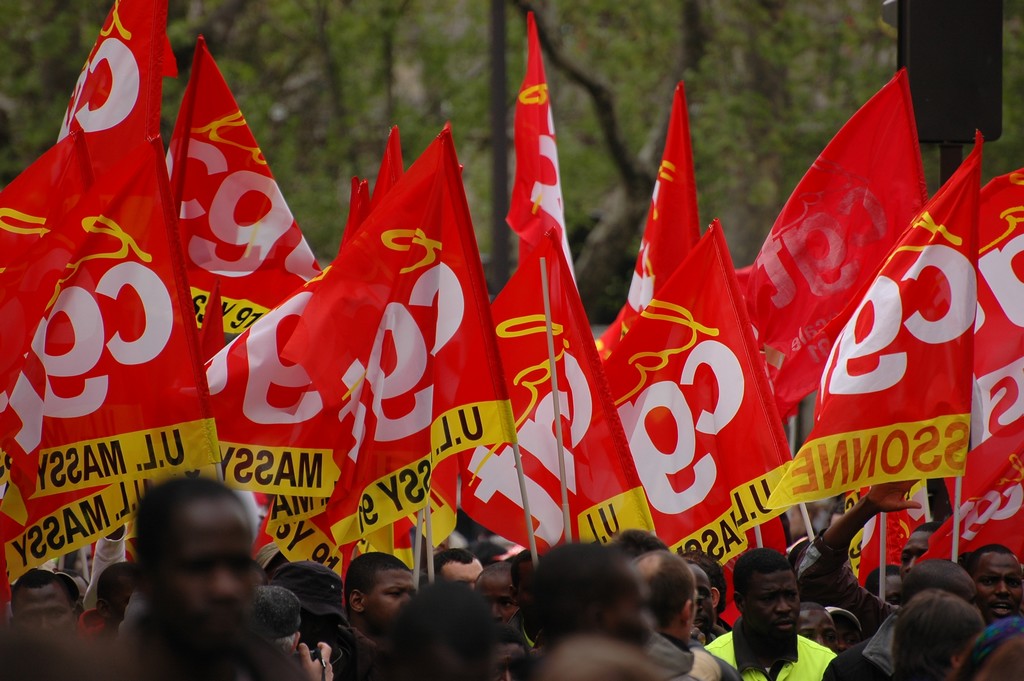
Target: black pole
{"points": [[950, 157], [499, 260]]}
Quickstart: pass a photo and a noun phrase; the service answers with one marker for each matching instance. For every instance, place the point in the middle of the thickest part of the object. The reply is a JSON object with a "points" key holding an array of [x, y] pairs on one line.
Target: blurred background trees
{"points": [[321, 81]]}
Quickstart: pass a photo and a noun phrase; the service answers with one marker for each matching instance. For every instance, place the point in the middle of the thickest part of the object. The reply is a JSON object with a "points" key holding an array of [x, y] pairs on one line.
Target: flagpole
{"points": [[882, 545], [957, 494], [792, 433], [566, 520], [530, 539], [429, 530], [417, 549], [758, 539], [926, 504]]}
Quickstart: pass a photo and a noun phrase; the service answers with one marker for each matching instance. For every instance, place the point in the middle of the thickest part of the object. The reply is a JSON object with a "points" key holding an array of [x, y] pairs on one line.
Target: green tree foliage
{"points": [[321, 81]]}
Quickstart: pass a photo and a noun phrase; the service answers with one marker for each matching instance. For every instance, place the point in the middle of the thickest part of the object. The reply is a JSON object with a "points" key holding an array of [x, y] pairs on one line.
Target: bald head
{"points": [[671, 590]]}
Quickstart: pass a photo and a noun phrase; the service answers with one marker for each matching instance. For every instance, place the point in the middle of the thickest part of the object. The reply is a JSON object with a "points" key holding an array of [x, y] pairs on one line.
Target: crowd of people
{"points": [[196, 605]]}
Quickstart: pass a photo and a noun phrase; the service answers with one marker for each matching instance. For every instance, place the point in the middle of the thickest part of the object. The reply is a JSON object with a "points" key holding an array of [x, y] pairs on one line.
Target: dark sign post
{"points": [[953, 52]]}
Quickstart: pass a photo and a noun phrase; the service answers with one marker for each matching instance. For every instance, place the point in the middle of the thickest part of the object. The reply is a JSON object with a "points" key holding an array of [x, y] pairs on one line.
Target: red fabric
{"points": [[672, 226], [536, 205], [106, 314], [842, 218], [391, 168], [693, 396], [211, 335], [410, 291], [236, 226], [596, 455], [116, 101], [895, 397]]}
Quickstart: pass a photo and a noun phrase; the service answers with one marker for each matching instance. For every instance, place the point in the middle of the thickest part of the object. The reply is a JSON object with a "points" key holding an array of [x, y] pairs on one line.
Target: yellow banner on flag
{"points": [[827, 466], [624, 511], [279, 470]]}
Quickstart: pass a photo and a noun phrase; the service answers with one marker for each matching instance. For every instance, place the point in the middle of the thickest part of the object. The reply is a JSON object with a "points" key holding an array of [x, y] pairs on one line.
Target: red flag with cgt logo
{"points": [[693, 397]]}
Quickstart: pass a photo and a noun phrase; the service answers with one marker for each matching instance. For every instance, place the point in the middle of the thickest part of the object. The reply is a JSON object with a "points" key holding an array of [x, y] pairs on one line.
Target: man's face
{"points": [[704, 617], [848, 635], [524, 594], [998, 579], [771, 605], [626, 617], [201, 591], [47, 609], [392, 590], [496, 587], [893, 589], [916, 546], [459, 572], [818, 626], [112, 609]]}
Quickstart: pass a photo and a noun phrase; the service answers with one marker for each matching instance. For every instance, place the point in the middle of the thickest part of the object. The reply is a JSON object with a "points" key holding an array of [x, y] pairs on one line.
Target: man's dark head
{"points": [[113, 590], [319, 591], [916, 546], [893, 583], [193, 547], [495, 585], [589, 588], [635, 543], [377, 586], [457, 565], [704, 616], [445, 633], [766, 595], [932, 629], [522, 585], [816, 624], [848, 629], [997, 576], [670, 591], [713, 569], [44, 602], [938, 574]]}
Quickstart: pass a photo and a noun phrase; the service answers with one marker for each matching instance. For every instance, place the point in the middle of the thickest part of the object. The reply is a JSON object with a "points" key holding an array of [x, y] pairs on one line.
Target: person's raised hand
{"points": [[887, 497]]}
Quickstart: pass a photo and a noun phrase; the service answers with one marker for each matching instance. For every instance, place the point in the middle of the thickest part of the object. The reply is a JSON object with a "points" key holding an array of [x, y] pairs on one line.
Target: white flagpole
{"points": [[883, 530], [566, 520], [430, 541], [417, 549], [530, 539], [792, 433], [757, 537], [957, 494]]}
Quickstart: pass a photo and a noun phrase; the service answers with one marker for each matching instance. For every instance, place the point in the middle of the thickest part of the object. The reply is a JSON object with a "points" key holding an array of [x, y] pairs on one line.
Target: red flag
{"points": [[895, 397], [116, 101], [842, 218], [692, 394], [236, 226], [993, 493], [111, 389], [404, 310], [211, 334], [865, 549], [358, 209], [391, 168], [998, 336], [672, 227], [604, 492], [536, 205]]}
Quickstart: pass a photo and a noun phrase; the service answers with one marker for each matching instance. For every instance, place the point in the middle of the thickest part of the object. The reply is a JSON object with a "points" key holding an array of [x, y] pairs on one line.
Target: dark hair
{"points": [[671, 585], [811, 606], [446, 619], [713, 569], [460, 556], [114, 577], [871, 581], [940, 574], [930, 629], [157, 514], [999, 648], [515, 561], [572, 578], [38, 579], [499, 569], [363, 570], [970, 560], [928, 527], [487, 552], [506, 633], [635, 543], [757, 561]]}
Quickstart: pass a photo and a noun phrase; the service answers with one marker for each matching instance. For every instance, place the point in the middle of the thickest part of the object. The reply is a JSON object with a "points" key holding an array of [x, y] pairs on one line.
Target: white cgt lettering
{"points": [[124, 90]]}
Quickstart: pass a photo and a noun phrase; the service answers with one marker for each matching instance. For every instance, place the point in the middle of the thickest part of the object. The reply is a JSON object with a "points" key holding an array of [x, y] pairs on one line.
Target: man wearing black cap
{"points": [[320, 593], [276, 618]]}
